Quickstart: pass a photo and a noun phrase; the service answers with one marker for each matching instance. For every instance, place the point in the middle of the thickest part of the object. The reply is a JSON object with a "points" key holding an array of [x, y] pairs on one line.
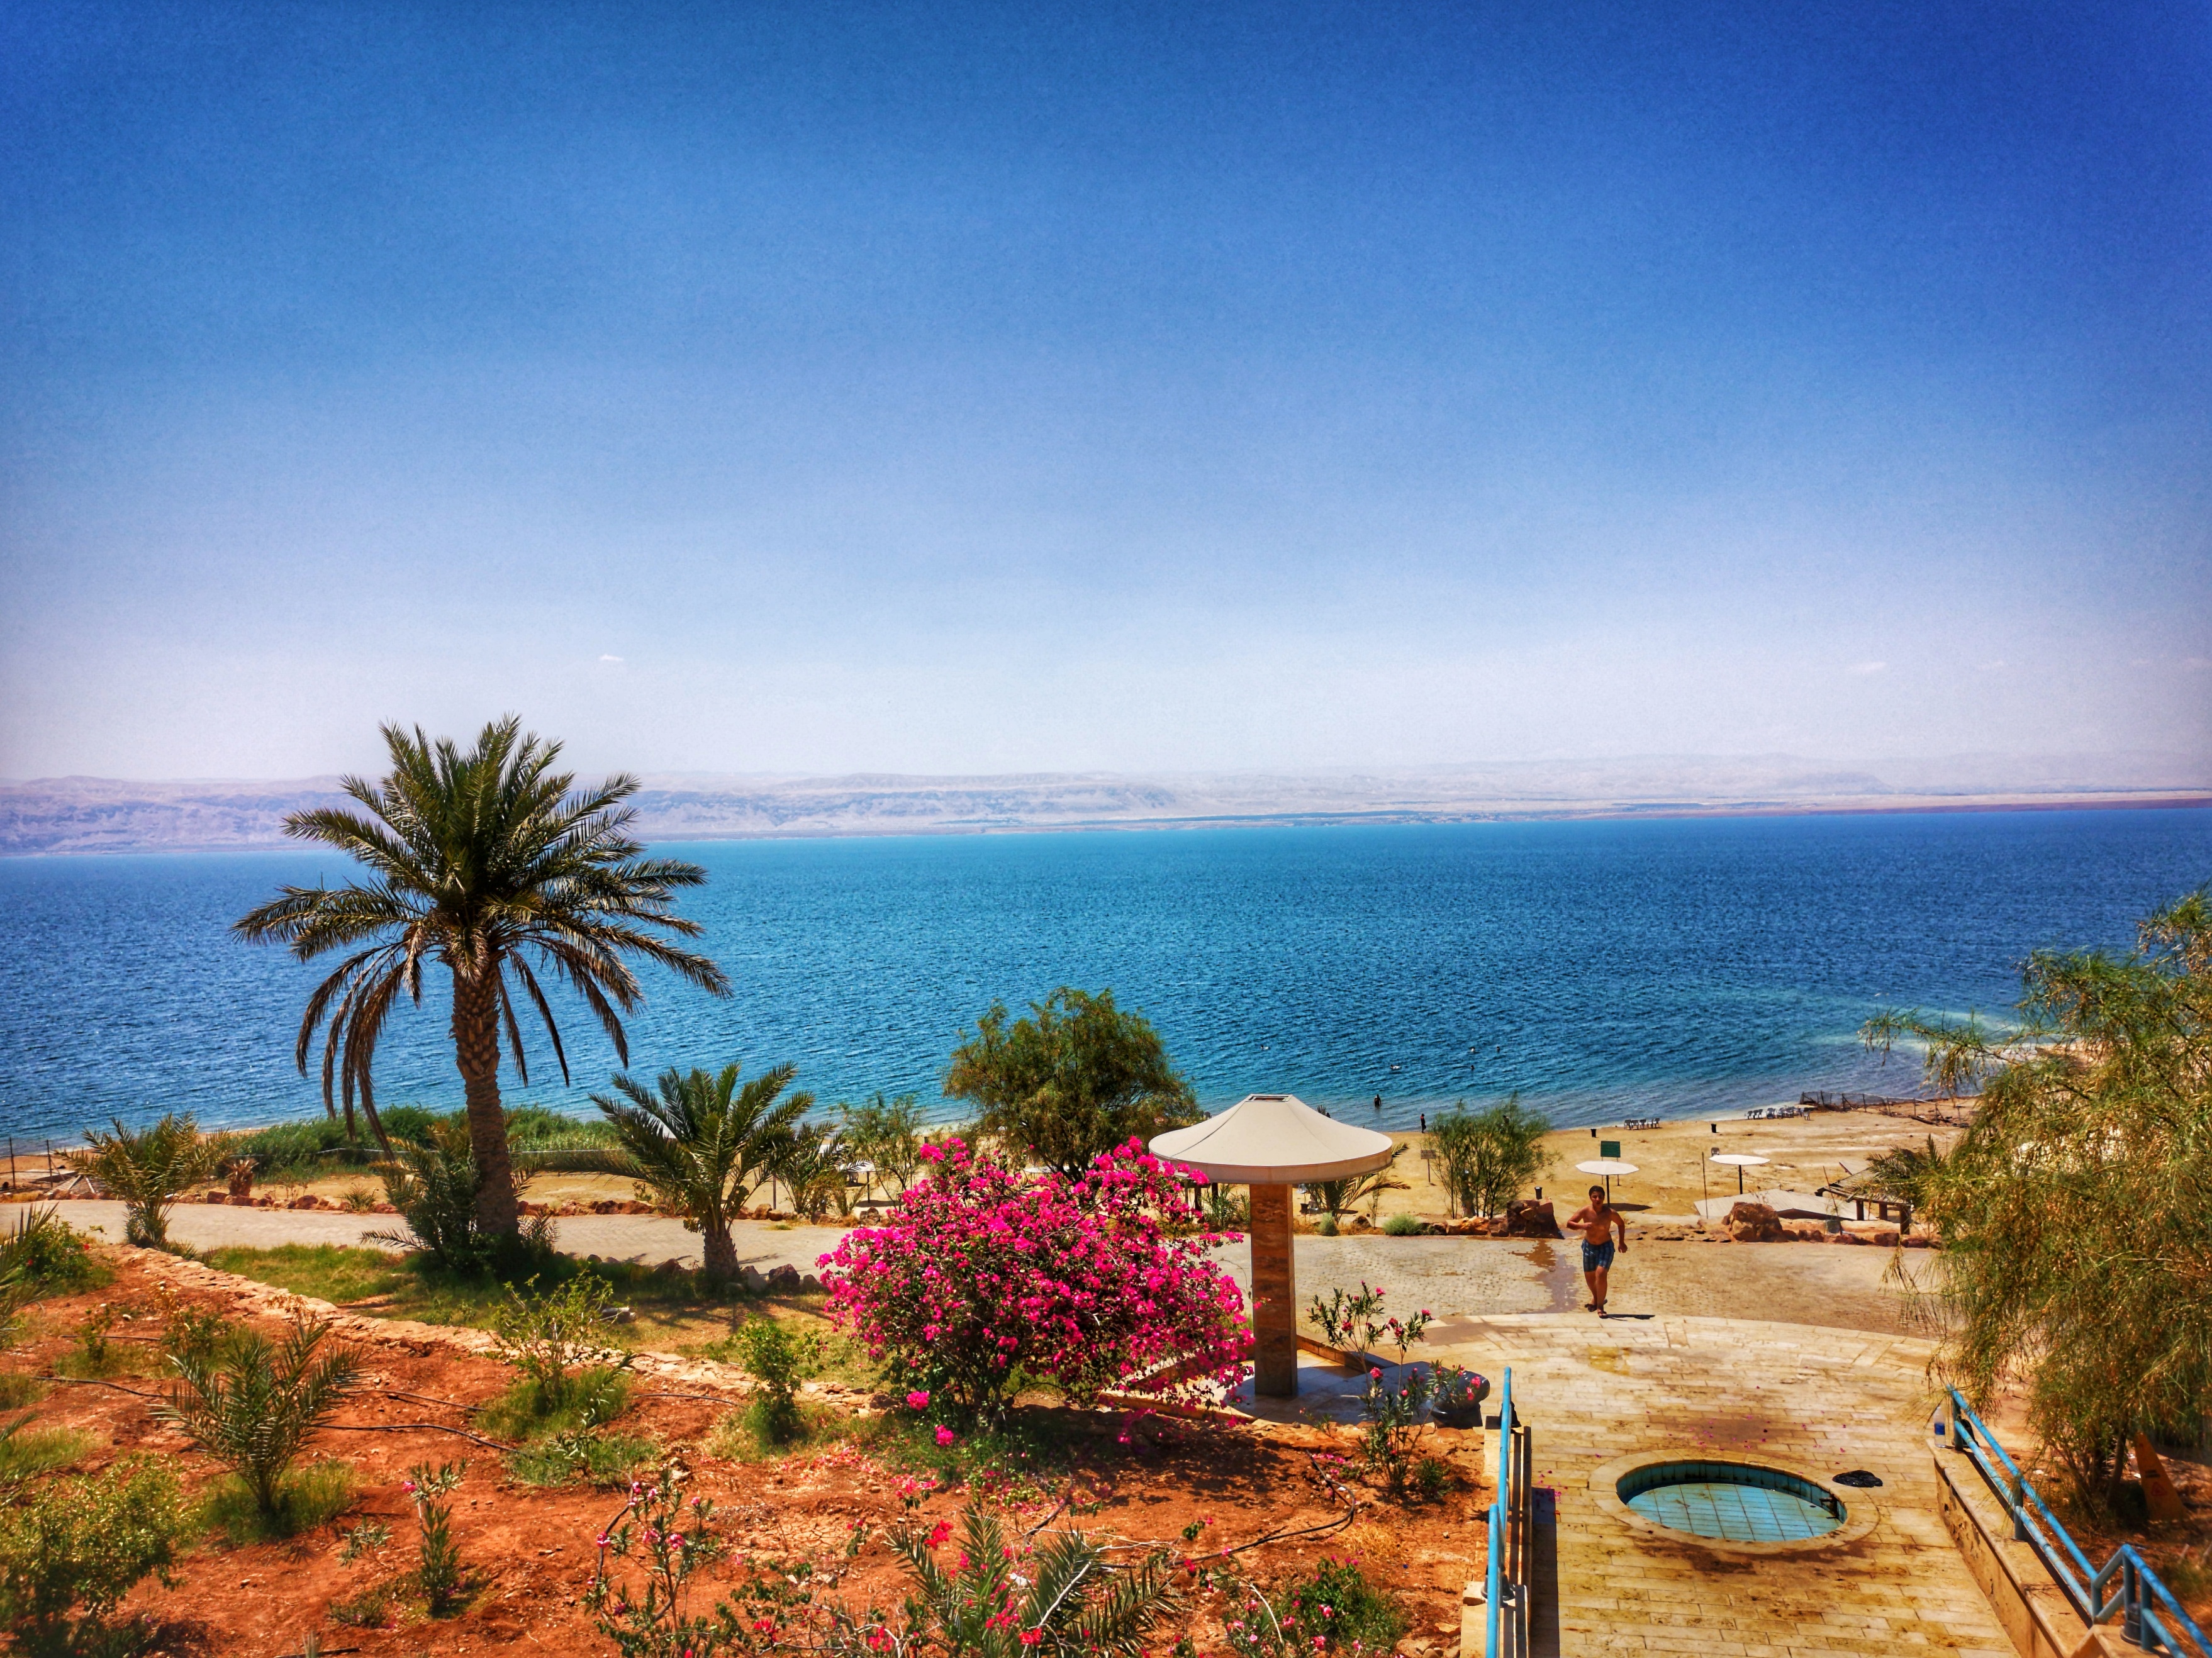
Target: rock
{"points": [[1530, 1217], [784, 1280], [668, 1268], [618, 1315], [1754, 1223], [750, 1276], [1845, 1237], [215, 1197], [306, 1200], [1915, 1242], [1886, 1239], [809, 1285]]}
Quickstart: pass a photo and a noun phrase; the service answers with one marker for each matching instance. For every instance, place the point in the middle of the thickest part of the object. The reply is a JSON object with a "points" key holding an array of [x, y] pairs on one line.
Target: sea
{"points": [[1675, 969]]}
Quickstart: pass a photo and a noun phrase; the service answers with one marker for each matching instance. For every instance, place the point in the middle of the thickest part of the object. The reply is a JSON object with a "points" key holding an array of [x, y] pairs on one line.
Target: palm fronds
{"points": [[493, 865], [251, 1403], [148, 1169], [701, 1143]]}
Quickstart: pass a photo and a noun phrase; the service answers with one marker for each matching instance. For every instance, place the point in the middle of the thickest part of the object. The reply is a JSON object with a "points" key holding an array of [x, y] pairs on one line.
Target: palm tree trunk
{"points": [[476, 1048], [720, 1253]]}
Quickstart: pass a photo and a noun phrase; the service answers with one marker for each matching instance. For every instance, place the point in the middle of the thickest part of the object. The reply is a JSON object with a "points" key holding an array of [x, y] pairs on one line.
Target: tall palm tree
{"points": [[702, 1143], [494, 865]]}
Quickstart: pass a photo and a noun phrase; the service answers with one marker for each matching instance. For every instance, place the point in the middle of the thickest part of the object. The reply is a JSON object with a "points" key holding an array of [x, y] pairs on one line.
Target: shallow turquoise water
{"points": [[1604, 969]]}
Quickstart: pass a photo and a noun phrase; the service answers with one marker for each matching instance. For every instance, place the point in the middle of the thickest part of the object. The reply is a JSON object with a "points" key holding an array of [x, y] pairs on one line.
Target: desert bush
{"points": [[1405, 1226], [42, 1255], [251, 1403], [370, 1609], [149, 1168], [586, 1452], [308, 1496], [188, 1331], [779, 1358], [552, 1335], [79, 1545], [366, 1538], [434, 1186], [19, 1388], [438, 1571], [983, 1276], [887, 1134], [1490, 1156], [1393, 1418], [1337, 1609], [2071, 1211]]}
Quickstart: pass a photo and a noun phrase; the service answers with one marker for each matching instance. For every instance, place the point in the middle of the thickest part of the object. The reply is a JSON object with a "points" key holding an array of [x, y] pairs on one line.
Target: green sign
{"points": [[1608, 1148]]}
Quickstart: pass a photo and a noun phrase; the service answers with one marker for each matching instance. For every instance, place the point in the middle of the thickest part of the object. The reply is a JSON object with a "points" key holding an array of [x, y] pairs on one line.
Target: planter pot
{"points": [[1459, 1416]]}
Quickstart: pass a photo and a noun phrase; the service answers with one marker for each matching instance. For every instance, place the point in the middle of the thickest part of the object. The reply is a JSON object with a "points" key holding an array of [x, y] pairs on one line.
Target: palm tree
{"points": [[702, 1143], [492, 864], [149, 1168]]}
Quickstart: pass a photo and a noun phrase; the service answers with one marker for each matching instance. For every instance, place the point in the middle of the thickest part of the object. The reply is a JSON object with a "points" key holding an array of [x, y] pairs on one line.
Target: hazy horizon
{"points": [[819, 391]]}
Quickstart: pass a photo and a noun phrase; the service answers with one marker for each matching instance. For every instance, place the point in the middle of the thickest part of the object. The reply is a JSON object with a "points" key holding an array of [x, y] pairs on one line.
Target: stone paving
{"points": [[1820, 1400]]}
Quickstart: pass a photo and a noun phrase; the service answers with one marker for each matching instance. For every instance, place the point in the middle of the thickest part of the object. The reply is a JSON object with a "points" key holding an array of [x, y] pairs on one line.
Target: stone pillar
{"points": [[1274, 1296]]}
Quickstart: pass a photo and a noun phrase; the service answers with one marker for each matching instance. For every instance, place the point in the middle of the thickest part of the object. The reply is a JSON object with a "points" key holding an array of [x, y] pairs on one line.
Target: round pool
{"points": [[1733, 1502]]}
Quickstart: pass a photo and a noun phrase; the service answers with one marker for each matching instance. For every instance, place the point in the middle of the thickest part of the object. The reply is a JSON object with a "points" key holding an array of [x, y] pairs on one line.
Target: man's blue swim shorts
{"points": [[1596, 1255]]}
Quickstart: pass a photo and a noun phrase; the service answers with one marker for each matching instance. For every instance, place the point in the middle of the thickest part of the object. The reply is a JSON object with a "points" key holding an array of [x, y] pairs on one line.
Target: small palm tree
{"points": [[701, 1144], [813, 1168], [251, 1403], [1338, 1197], [151, 1169], [491, 864]]}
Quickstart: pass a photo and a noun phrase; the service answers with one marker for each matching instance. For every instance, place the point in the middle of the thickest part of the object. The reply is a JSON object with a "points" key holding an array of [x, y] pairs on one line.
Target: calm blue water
{"points": [[1604, 969]]}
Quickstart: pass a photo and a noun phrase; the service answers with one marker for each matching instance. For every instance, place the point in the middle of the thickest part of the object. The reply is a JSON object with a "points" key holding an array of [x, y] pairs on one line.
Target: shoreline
{"points": [[1438, 814]]}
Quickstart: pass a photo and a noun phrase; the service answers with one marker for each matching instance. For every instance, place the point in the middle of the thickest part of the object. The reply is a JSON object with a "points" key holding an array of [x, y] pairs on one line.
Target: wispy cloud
{"points": [[1868, 667], [610, 659]]}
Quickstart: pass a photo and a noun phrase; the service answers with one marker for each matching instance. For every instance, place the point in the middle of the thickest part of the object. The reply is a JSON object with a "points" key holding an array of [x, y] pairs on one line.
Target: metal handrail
{"points": [[2035, 1524], [1494, 1572]]}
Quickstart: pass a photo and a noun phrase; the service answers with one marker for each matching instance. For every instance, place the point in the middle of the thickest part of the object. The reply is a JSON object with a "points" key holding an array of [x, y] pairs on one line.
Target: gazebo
{"points": [[1272, 1142]]}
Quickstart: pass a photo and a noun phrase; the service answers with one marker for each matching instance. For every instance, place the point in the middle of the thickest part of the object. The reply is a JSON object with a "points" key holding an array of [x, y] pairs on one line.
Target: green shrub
{"points": [[1405, 1226], [603, 1459], [83, 1543], [306, 1498], [531, 1409], [550, 1335], [93, 1354], [19, 1388], [252, 1403], [370, 1609], [1338, 1610], [363, 1539], [779, 1359], [41, 1255]]}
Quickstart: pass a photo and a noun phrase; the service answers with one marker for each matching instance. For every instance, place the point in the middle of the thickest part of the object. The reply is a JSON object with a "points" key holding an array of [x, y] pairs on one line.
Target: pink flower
{"points": [[946, 1435], [917, 1400]]}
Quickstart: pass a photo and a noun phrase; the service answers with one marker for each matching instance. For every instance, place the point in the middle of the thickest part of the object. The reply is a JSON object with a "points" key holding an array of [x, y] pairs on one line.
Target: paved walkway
{"points": [[1820, 1400], [1808, 1284]]}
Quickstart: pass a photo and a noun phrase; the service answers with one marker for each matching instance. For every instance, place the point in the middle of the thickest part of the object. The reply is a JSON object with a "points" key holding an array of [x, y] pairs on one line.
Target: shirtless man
{"points": [[1598, 1218]]}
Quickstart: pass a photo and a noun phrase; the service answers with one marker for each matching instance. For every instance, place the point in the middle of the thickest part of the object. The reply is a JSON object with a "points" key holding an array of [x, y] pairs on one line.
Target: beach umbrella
{"points": [[1741, 1160], [1272, 1142], [1607, 1167]]}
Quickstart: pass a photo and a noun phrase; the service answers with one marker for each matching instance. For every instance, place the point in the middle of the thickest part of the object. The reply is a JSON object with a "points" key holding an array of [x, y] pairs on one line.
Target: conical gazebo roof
{"points": [[1274, 1139]]}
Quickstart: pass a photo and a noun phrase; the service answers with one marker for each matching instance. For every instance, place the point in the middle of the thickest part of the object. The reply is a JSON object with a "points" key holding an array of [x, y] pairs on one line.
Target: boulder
{"points": [[750, 1276], [1845, 1237], [811, 1284], [1530, 1217], [1754, 1223], [784, 1280]]}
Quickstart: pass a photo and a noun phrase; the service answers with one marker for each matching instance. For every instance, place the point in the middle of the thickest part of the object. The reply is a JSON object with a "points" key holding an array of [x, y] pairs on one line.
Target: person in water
{"points": [[1598, 1218]]}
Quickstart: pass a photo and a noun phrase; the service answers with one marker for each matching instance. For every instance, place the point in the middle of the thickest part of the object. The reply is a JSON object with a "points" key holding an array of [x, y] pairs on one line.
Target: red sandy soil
{"points": [[532, 1550]]}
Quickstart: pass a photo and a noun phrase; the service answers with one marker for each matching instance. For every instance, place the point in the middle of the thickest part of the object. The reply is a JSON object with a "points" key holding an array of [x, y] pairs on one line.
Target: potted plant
{"points": [[1456, 1399]]}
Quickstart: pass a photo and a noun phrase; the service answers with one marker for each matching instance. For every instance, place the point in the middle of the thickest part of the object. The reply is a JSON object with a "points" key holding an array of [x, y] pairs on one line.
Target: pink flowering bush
{"points": [[984, 1276]]}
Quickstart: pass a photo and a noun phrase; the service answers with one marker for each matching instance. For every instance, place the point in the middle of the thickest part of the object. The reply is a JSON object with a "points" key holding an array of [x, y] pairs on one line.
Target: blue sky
{"points": [[968, 388]]}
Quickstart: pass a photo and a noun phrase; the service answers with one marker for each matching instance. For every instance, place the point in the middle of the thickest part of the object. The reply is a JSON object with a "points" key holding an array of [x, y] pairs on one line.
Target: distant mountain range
{"points": [[92, 814]]}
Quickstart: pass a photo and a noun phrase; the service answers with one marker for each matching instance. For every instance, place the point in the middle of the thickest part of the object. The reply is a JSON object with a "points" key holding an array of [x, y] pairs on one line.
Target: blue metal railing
{"points": [[1506, 1634], [2149, 1615]]}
